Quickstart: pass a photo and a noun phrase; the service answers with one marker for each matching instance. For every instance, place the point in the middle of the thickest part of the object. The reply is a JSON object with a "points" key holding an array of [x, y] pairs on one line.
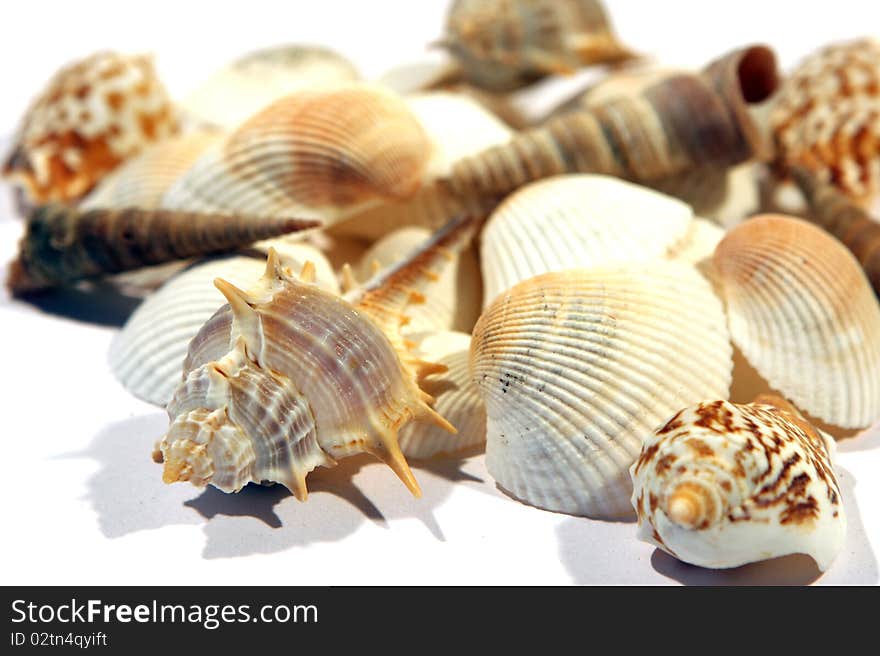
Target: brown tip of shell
{"points": [[19, 282]]}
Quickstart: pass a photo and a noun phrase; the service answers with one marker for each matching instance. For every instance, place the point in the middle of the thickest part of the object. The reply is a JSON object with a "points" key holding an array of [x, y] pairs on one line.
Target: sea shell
{"points": [[142, 180], [321, 154], [721, 485], [683, 123], [804, 315], [93, 114], [242, 88], [456, 127], [63, 245], [845, 219], [147, 355], [576, 221], [826, 117], [577, 367], [502, 45], [456, 399], [288, 377], [454, 302]]}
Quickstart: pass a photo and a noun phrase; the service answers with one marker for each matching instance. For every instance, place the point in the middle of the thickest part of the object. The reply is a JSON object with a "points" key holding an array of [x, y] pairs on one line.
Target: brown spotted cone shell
{"points": [[63, 245]]}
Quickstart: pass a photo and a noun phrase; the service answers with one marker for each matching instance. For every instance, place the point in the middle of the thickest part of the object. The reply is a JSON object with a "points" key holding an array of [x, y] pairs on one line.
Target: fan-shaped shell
{"points": [[456, 399], [721, 485], [144, 179], [577, 367], [93, 114], [147, 355], [321, 154], [826, 117], [576, 221], [804, 315], [245, 86], [454, 301]]}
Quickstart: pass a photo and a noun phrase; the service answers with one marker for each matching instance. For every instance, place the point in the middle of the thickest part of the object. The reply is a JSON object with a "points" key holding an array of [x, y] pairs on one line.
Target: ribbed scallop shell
{"points": [[242, 88], [147, 355], [456, 399], [456, 127], [804, 315], [322, 154], [721, 485], [454, 301], [577, 367], [826, 117], [92, 115], [144, 179], [506, 44], [576, 221]]}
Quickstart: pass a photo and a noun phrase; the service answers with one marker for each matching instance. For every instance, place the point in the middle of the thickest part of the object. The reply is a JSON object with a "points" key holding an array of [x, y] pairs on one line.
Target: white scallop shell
{"points": [[456, 399], [721, 485], [147, 355], [576, 221], [578, 367]]}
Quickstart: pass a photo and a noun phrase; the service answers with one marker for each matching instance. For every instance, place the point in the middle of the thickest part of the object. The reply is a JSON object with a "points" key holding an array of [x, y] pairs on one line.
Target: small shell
{"points": [[456, 399], [94, 114], [721, 485], [146, 356], [576, 221], [826, 117], [577, 367], [288, 377], [804, 315], [454, 302], [502, 45], [63, 245], [250, 83], [141, 181], [682, 124], [322, 154]]}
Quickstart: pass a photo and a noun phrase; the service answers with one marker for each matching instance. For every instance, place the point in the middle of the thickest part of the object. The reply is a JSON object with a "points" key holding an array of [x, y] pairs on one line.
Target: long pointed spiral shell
{"points": [[845, 219], [63, 245], [576, 221], [577, 367], [322, 154], [93, 114], [502, 45], [287, 377], [680, 124], [721, 485], [826, 117], [804, 315]]}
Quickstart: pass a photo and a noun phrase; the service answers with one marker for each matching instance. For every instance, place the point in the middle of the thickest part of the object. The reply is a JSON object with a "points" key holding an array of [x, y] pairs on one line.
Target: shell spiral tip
{"points": [[682, 509]]}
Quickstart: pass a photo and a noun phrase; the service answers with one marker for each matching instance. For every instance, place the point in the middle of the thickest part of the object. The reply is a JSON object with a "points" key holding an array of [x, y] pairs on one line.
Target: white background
{"points": [[83, 503]]}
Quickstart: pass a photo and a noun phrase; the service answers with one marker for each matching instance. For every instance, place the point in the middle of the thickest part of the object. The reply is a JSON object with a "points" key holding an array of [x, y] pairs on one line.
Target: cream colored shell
{"points": [[721, 485], [805, 316], [577, 367]]}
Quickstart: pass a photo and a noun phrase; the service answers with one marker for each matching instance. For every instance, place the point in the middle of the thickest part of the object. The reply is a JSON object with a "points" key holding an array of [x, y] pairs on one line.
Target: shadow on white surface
{"points": [[864, 441], [128, 495], [98, 303]]}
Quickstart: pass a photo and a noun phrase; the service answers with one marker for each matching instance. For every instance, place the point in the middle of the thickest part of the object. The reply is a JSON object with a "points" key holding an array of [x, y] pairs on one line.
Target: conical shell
{"points": [[576, 221], [454, 301], [143, 180], [147, 355], [721, 485], [288, 377], [503, 45], [93, 114], [826, 117], [456, 399], [457, 127], [241, 89], [319, 154], [683, 123], [577, 367], [804, 315], [63, 245]]}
